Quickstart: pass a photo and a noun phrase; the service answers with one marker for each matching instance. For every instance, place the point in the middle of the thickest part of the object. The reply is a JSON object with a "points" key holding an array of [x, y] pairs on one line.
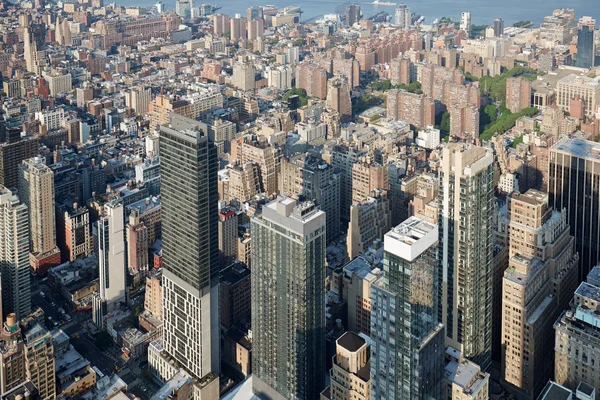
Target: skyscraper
{"points": [[407, 352], [112, 261], [190, 248], [288, 300], [36, 190], [39, 361], [498, 27], [466, 199], [573, 185], [586, 50], [403, 16], [537, 286], [14, 256], [12, 153], [34, 59], [352, 14], [465, 22], [338, 98]]}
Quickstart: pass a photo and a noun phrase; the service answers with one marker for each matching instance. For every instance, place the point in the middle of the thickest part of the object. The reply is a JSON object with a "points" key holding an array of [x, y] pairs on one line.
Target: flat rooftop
{"points": [[411, 238], [588, 291], [579, 148], [554, 391], [351, 341]]}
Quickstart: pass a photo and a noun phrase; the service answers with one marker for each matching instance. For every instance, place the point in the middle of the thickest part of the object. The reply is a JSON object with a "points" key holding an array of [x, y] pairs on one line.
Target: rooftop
{"points": [[579, 148], [411, 238], [351, 341], [554, 391], [588, 291]]}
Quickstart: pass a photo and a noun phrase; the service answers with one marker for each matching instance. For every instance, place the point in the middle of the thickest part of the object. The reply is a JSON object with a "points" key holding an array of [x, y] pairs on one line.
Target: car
{"points": [[53, 304], [42, 294]]}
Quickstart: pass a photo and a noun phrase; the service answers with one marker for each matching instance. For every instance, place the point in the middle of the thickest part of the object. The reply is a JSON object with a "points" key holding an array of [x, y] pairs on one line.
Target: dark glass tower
{"points": [[407, 350], [585, 47], [574, 185], [190, 247]]}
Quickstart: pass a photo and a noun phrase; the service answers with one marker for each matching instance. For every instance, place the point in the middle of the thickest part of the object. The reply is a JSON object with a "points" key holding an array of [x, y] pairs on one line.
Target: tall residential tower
{"points": [[288, 300]]}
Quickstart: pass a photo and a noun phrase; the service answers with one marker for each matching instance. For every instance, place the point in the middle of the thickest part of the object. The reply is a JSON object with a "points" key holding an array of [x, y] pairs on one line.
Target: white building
{"points": [[51, 118], [112, 261], [403, 16], [465, 22], [428, 138], [280, 77]]}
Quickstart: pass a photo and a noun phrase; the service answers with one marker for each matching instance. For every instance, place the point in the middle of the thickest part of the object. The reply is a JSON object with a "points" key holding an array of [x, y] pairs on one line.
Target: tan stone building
{"points": [[351, 370], [366, 177], [463, 379], [39, 361], [518, 94], [36, 190], [541, 274], [338, 98], [241, 184], [12, 353], [585, 88], [416, 109], [369, 220], [261, 153]]}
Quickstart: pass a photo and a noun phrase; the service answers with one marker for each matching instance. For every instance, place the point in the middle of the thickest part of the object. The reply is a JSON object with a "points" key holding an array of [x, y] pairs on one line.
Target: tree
{"points": [[301, 93]]}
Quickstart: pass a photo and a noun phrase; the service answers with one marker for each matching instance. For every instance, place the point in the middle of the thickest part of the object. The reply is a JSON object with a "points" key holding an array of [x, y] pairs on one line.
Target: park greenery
{"points": [[505, 121], [385, 85], [495, 86], [365, 102], [301, 93], [521, 24]]}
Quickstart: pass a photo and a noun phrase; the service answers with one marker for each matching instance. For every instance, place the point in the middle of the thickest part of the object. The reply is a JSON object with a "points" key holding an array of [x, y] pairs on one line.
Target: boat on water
{"points": [[383, 3]]}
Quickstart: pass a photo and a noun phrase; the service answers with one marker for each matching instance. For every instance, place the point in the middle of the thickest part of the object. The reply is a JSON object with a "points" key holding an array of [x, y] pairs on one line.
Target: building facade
{"points": [[288, 300]]}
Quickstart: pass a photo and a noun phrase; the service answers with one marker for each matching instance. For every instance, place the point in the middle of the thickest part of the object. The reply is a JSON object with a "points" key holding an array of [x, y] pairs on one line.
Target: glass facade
{"points": [[288, 308], [408, 341], [189, 207], [585, 47]]}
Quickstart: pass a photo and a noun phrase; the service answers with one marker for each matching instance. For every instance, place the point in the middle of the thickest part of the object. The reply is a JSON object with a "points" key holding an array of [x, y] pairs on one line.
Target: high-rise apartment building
{"points": [[403, 17], [221, 24], [338, 98], [403, 71], [498, 27], [288, 300], [574, 171], [138, 99], [14, 256], [315, 180], [261, 153], [350, 373], [407, 351], [464, 121], [465, 22], [12, 153], [39, 361], [343, 158], [36, 191], [112, 261], [518, 94], [466, 208], [416, 109], [577, 348], [190, 249], [256, 29], [237, 28], [313, 79], [586, 47]]}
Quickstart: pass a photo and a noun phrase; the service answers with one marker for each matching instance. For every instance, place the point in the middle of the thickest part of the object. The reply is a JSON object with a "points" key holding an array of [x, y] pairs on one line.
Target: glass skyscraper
{"points": [[190, 247], [407, 352], [288, 300], [585, 43]]}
